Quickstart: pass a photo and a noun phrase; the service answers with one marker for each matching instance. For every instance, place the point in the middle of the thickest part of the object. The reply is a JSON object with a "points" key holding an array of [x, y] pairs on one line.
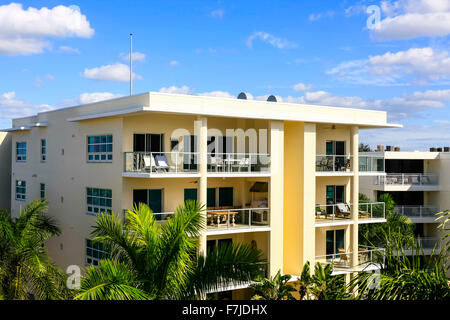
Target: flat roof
{"points": [[405, 155], [225, 107]]}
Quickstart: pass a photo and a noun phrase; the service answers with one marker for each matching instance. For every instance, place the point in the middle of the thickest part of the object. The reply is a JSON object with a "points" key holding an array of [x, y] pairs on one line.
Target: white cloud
{"points": [[92, 97], [137, 56], [174, 63], [111, 72], [219, 13], [408, 19], [174, 89], [39, 81], [416, 65], [318, 16], [13, 107], [24, 32], [302, 87], [270, 39], [68, 49]]}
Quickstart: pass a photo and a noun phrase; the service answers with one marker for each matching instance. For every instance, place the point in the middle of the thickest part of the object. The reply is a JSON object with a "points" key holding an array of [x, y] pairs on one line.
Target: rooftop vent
{"points": [[273, 98], [446, 149], [380, 148], [439, 149], [245, 96], [432, 149]]}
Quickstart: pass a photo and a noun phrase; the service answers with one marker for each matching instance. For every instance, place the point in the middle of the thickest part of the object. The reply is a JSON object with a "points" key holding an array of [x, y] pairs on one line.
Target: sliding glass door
{"points": [[334, 241], [334, 194]]}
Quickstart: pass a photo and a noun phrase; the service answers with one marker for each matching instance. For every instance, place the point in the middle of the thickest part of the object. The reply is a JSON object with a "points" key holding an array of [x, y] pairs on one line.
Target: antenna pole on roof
{"points": [[131, 64]]}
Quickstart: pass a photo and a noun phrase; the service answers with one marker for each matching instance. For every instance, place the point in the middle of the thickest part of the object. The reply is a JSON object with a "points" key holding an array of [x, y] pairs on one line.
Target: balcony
{"points": [[369, 258], [334, 165], [407, 182], [419, 214], [186, 164], [369, 164], [340, 214], [221, 220], [427, 244], [231, 220]]}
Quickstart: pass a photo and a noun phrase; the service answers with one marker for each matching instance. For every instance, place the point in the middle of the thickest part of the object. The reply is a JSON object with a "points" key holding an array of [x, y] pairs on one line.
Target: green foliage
{"points": [[364, 147], [372, 233], [415, 276], [276, 288], [26, 270], [157, 260]]}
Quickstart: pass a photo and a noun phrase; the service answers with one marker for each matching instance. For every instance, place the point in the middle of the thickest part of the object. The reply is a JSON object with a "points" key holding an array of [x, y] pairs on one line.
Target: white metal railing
{"points": [[188, 162], [428, 242], [343, 259], [161, 162], [371, 163], [417, 211], [407, 179], [230, 218], [334, 163], [342, 211], [238, 162]]}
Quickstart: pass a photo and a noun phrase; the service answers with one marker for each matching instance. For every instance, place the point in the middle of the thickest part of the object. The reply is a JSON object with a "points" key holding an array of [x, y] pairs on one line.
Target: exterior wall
{"points": [[325, 133], [299, 196], [5, 170]]}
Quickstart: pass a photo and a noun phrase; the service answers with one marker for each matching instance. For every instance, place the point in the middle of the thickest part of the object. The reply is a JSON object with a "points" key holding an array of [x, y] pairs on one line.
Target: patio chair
{"points": [[344, 258], [322, 164], [149, 163], [320, 212], [162, 164], [330, 165], [364, 213], [242, 163], [342, 210]]}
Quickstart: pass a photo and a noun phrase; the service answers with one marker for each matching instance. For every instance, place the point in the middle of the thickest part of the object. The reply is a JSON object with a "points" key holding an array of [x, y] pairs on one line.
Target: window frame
{"points": [[24, 187], [43, 150], [102, 253], [101, 208], [100, 153], [23, 157], [42, 190]]}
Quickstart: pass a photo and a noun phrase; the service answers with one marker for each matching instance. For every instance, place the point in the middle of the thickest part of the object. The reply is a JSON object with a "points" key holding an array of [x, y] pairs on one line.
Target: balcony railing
{"points": [[231, 218], [161, 162], [428, 242], [238, 162], [371, 163], [228, 218], [334, 163], [344, 260], [342, 211], [188, 162], [418, 179], [417, 211]]}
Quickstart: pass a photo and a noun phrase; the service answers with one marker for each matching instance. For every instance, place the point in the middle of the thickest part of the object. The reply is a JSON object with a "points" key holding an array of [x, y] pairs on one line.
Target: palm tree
{"points": [[276, 288], [364, 147], [154, 260], [405, 277], [372, 233], [26, 270]]}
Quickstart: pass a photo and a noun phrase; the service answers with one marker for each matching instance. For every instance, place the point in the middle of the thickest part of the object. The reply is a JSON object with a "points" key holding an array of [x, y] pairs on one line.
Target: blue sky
{"points": [[57, 53]]}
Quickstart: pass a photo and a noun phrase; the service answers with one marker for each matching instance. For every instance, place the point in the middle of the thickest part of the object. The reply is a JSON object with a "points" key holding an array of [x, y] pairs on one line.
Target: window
{"points": [[153, 198], [99, 200], [20, 189], [190, 194], [225, 197], [100, 148], [149, 142], [21, 151], [211, 244], [43, 150], [96, 251], [42, 190]]}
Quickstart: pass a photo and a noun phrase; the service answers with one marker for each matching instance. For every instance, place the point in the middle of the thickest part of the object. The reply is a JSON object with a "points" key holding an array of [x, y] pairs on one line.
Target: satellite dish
{"points": [[245, 96]]}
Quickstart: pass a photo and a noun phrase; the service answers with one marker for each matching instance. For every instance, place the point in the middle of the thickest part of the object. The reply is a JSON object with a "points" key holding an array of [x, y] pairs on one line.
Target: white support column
{"points": [[202, 139], [276, 196], [355, 194]]}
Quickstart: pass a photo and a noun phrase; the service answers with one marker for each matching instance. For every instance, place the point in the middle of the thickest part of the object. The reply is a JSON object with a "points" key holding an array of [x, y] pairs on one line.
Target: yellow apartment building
{"points": [[280, 176]]}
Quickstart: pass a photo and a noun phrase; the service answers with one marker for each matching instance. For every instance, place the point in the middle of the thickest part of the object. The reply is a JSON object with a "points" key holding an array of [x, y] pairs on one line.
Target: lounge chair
{"points": [[342, 210], [162, 164], [149, 163], [364, 213]]}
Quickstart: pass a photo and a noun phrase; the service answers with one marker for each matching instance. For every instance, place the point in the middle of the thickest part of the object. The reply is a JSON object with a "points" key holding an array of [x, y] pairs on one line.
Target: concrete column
{"points": [[202, 142], [355, 193], [276, 196]]}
